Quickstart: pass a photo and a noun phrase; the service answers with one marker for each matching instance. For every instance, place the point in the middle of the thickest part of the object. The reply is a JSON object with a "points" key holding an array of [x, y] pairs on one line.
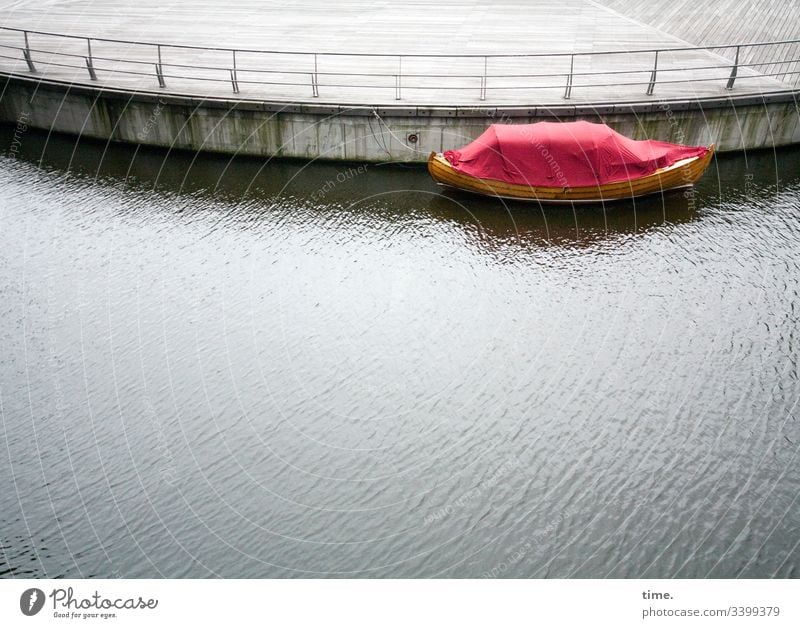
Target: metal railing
{"points": [[317, 73]]}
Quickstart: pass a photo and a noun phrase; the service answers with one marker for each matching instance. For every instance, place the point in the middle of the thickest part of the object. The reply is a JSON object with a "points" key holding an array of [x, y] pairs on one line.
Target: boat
{"points": [[567, 162]]}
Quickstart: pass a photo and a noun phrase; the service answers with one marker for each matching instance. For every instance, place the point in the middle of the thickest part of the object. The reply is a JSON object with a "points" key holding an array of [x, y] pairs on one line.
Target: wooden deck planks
{"points": [[722, 22], [415, 27]]}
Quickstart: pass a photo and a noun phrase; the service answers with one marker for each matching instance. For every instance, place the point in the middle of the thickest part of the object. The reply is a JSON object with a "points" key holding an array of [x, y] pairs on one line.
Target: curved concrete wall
{"points": [[311, 131]]}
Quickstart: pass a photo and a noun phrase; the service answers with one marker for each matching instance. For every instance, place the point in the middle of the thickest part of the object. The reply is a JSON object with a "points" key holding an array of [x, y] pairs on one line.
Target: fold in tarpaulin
{"points": [[563, 154]]}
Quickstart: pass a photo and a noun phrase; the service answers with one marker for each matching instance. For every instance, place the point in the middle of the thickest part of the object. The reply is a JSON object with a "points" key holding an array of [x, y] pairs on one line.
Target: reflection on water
{"points": [[256, 368], [391, 190]]}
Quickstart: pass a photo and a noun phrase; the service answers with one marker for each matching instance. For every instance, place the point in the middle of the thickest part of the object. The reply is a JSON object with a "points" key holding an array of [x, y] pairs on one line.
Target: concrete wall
{"points": [[310, 131]]}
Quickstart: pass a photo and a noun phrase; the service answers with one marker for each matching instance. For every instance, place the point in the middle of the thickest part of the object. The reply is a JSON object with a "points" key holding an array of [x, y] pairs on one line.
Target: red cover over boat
{"points": [[563, 154]]}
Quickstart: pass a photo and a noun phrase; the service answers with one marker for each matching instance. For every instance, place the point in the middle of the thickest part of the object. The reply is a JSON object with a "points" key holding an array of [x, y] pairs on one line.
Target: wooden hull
{"points": [[681, 174]]}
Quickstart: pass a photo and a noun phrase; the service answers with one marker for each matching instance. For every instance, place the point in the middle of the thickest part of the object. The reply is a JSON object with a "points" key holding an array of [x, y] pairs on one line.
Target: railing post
{"points": [[159, 69], [234, 77], [651, 86], [90, 61], [397, 76], [315, 78], [568, 90], [734, 70], [483, 78], [27, 54]]}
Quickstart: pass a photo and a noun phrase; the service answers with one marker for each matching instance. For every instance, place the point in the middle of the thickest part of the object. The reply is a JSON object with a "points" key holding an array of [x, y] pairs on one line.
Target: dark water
{"points": [[250, 369]]}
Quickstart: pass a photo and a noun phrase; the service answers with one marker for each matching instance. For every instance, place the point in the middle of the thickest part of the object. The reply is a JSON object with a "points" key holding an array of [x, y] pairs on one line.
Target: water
{"points": [[248, 369]]}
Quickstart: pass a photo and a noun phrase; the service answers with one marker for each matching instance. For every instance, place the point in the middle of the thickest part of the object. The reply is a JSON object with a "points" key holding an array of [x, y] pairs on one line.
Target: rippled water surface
{"points": [[248, 369]]}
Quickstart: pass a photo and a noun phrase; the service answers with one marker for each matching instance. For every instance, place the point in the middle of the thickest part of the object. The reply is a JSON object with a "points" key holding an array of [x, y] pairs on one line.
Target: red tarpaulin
{"points": [[563, 154]]}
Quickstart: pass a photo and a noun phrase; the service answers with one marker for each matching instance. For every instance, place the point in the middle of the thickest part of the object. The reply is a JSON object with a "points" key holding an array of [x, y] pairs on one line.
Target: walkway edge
{"points": [[373, 132]]}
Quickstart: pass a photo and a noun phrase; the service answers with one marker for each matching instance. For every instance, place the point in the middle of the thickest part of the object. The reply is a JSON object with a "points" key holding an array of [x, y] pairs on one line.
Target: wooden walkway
{"points": [[466, 27], [725, 21]]}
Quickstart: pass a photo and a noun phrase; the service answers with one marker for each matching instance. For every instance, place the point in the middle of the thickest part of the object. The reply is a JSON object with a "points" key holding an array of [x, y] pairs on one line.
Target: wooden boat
{"points": [[679, 174]]}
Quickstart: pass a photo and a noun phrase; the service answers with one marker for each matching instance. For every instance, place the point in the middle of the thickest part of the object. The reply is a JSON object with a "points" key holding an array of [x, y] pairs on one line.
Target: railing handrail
{"points": [[695, 69], [408, 74], [410, 54]]}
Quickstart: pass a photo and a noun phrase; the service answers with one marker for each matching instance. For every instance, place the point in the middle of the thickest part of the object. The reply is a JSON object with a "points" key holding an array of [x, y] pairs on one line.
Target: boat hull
{"points": [[681, 174]]}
